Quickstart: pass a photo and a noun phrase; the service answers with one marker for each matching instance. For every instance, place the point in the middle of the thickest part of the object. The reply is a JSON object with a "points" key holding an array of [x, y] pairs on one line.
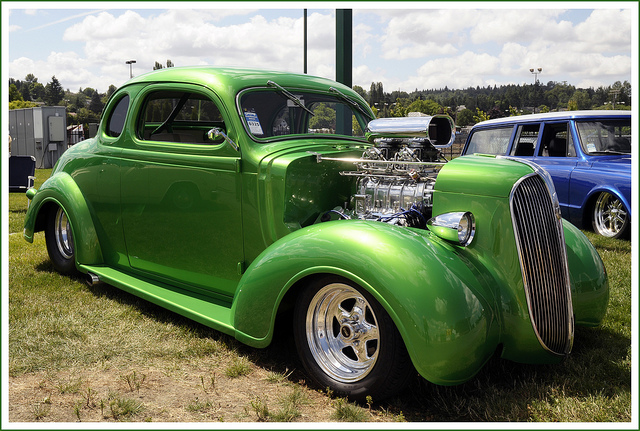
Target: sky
{"points": [[404, 45]]}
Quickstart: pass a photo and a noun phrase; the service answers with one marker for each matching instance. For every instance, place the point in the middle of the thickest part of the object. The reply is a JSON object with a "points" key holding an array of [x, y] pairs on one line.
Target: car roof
{"points": [[564, 115], [232, 79]]}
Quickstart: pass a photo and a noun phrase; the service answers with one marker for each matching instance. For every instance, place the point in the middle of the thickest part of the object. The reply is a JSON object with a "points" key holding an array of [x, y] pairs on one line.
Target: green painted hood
{"points": [[481, 175]]}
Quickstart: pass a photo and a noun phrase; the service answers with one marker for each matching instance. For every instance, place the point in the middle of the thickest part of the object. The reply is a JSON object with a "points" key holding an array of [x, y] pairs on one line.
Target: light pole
{"points": [[535, 81], [130, 63], [535, 74]]}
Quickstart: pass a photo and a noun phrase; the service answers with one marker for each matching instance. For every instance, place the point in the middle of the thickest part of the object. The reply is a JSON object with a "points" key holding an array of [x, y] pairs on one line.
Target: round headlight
{"points": [[466, 229]]}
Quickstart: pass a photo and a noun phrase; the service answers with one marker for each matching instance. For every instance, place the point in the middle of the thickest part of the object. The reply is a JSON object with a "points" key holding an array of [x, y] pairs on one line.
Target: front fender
{"points": [[60, 189], [588, 276], [443, 313]]}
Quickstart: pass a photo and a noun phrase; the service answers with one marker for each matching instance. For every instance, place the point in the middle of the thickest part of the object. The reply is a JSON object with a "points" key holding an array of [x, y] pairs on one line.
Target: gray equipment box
{"points": [[39, 132]]}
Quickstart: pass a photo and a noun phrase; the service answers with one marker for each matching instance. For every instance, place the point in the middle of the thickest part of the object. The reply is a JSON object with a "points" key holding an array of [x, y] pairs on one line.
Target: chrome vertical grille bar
{"points": [[542, 254]]}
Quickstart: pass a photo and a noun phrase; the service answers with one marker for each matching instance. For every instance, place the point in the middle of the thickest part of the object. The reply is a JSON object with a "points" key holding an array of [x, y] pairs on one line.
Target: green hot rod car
{"points": [[239, 197]]}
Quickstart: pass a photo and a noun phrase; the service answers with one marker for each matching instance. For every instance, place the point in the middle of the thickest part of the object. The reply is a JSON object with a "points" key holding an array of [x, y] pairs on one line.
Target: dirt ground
{"points": [[186, 395], [179, 391]]}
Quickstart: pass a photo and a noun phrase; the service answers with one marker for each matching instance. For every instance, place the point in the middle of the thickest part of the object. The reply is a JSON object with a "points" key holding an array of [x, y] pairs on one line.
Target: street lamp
{"points": [[535, 74], [130, 63], [535, 81]]}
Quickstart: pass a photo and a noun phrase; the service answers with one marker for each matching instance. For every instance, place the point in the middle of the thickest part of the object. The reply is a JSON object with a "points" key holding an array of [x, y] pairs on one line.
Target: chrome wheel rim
{"points": [[610, 215], [342, 332], [62, 231]]}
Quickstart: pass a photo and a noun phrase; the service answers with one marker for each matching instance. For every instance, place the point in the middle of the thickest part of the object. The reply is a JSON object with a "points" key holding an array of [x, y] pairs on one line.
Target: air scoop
{"points": [[439, 129]]}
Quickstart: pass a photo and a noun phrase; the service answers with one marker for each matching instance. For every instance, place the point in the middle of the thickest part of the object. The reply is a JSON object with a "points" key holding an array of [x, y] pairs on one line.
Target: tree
{"points": [[323, 118], [53, 92], [21, 104], [96, 103], [112, 89], [38, 92], [480, 116], [14, 94], [429, 107], [361, 91], [581, 99], [464, 118]]}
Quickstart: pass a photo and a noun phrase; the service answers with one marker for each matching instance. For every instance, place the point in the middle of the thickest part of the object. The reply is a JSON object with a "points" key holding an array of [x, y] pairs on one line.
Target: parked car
{"points": [[238, 197], [587, 153]]}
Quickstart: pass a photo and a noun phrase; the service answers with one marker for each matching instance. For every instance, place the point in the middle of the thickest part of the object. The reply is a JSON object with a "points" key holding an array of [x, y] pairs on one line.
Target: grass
{"points": [[63, 333]]}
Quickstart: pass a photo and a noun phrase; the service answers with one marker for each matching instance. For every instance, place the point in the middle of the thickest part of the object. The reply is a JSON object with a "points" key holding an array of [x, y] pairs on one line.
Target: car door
{"points": [[556, 154], [181, 192]]}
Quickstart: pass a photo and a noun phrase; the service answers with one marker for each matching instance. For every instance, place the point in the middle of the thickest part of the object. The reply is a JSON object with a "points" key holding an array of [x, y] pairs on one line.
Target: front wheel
{"points": [[347, 342], [610, 217], [59, 239]]}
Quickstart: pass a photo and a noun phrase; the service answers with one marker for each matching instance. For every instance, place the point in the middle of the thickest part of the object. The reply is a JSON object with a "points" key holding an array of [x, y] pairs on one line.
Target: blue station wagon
{"points": [[587, 153]]}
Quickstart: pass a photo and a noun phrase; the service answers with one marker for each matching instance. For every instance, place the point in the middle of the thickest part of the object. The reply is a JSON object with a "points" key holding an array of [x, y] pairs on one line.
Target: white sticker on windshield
{"points": [[253, 122]]}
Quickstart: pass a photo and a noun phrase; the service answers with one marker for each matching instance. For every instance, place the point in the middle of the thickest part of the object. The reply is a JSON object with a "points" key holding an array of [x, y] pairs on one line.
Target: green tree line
{"points": [[466, 106], [470, 105]]}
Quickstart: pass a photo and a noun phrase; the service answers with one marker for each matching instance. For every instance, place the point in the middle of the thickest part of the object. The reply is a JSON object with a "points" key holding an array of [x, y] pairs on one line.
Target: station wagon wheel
{"points": [[59, 239], [348, 342], [610, 217]]}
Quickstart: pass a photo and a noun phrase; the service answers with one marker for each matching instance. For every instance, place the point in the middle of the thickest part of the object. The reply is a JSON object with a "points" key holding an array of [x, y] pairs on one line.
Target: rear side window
{"points": [[178, 117], [526, 139], [115, 125], [490, 141]]}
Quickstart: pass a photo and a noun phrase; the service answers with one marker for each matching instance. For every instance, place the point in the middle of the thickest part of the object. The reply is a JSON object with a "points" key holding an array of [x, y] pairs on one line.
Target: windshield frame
{"points": [[326, 93]]}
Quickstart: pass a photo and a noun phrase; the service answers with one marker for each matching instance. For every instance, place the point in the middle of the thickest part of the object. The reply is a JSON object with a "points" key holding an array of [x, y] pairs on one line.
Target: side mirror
{"points": [[216, 135]]}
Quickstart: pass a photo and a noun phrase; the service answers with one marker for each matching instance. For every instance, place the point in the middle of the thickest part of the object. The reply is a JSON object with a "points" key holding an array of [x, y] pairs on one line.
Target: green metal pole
{"points": [[344, 63]]}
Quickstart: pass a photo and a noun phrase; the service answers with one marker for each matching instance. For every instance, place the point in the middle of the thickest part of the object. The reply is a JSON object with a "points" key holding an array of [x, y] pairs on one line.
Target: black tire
{"points": [[347, 342], [609, 217], [59, 237]]}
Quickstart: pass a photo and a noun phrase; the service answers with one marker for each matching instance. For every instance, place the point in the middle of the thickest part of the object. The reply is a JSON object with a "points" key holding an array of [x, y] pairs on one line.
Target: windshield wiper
{"points": [[351, 101], [290, 96]]}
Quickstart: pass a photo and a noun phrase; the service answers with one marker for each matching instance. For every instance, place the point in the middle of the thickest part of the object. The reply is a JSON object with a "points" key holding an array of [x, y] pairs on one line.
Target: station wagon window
{"points": [[115, 124], [271, 113], [557, 141], [605, 136], [178, 116], [526, 139], [490, 141]]}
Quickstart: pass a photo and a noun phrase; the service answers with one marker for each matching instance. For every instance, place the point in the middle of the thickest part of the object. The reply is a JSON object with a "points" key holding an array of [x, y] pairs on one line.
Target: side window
{"points": [[490, 141], [526, 138], [115, 124], [556, 141], [178, 116]]}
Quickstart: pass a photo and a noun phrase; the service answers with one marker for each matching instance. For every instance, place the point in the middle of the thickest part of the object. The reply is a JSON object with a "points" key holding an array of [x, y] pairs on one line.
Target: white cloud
{"points": [[420, 47]]}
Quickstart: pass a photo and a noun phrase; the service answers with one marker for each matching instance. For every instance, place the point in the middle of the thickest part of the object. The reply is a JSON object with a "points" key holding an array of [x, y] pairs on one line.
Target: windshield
{"points": [[605, 136], [277, 113]]}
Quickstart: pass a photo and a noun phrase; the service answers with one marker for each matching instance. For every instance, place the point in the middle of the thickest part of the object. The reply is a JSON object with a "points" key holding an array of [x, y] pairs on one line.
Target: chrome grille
{"points": [[540, 240]]}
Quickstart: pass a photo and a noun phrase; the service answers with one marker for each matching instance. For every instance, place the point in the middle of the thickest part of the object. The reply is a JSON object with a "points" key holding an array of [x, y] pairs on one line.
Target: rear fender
{"points": [[445, 317], [61, 190]]}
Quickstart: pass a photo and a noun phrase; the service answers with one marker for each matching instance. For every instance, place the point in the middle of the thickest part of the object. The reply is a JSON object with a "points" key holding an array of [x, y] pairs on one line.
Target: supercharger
{"points": [[395, 177]]}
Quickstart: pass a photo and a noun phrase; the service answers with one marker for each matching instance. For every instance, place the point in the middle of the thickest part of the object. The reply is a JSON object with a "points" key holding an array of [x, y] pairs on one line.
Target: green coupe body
{"points": [[236, 197]]}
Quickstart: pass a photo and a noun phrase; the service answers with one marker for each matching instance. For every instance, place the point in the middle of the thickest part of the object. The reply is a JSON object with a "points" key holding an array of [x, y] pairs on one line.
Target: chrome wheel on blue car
{"points": [[610, 217]]}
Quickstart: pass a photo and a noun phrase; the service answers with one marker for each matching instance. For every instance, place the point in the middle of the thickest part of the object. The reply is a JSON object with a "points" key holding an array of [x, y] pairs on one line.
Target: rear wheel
{"points": [[347, 341], [610, 217], [59, 240]]}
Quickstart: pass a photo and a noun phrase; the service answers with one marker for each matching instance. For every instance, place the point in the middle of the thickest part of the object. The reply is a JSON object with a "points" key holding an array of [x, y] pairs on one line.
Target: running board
{"points": [[208, 311]]}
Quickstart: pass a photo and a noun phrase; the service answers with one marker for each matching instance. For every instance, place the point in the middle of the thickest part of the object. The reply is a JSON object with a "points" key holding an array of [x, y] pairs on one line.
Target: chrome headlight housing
{"points": [[457, 227]]}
